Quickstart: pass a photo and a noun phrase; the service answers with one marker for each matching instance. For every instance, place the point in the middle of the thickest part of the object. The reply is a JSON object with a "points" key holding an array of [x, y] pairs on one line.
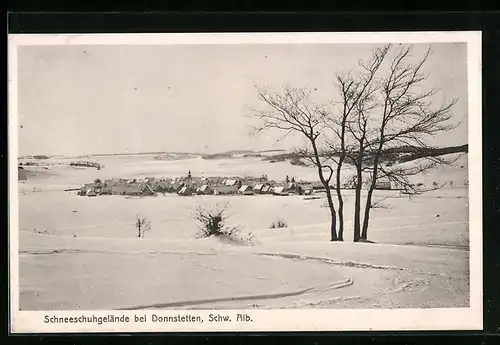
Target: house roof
{"points": [[258, 186], [203, 188], [278, 189], [230, 182]]}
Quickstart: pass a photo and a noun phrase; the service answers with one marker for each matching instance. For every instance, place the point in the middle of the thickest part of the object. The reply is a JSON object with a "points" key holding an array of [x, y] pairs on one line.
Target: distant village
{"points": [[189, 185]]}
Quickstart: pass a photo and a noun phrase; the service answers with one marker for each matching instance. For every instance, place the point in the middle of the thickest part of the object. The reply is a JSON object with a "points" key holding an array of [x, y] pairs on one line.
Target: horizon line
{"points": [[177, 152]]}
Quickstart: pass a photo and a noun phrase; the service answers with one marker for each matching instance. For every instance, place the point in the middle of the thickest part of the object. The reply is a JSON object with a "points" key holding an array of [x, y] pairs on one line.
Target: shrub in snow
{"points": [[279, 223], [213, 222], [43, 232]]}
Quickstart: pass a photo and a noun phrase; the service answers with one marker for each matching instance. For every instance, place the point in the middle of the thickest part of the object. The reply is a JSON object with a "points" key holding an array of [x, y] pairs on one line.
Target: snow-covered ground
{"points": [[89, 257]]}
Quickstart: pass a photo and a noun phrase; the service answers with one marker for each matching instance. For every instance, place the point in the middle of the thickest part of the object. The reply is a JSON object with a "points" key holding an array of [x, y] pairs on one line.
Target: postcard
{"points": [[245, 182]]}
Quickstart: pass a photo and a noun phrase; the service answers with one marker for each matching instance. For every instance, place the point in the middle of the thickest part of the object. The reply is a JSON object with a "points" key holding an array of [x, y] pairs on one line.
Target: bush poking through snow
{"points": [[278, 224], [213, 222], [142, 225], [43, 232]]}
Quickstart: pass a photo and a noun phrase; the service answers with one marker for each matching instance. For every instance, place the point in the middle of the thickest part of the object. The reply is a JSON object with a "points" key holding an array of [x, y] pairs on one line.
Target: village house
{"points": [[230, 183], [177, 186], [266, 189], [246, 190], [306, 189], [185, 191], [280, 190], [285, 189], [225, 190], [205, 190], [91, 189], [291, 187], [87, 190], [262, 188], [257, 189], [138, 189]]}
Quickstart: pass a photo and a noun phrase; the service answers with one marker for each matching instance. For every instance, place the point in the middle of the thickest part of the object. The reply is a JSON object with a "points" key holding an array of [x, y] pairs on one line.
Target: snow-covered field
{"points": [[90, 258]]}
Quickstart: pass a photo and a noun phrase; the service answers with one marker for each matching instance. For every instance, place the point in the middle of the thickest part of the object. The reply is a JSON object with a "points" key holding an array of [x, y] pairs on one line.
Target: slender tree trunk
{"points": [[366, 220], [341, 201], [325, 183], [357, 205], [333, 215], [373, 184], [341, 217]]}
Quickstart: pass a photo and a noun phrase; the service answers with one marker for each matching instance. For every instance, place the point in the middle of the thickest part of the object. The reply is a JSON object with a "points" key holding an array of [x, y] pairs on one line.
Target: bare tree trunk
{"points": [[357, 204], [337, 178], [373, 184], [325, 183], [366, 220], [341, 202], [333, 215]]}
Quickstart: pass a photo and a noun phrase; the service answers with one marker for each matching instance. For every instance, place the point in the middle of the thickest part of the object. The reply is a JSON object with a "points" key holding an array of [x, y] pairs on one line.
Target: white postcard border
{"points": [[265, 320]]}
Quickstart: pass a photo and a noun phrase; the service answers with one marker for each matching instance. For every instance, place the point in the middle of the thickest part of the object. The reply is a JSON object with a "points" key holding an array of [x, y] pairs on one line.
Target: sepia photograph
{"points": [[209, 179]]}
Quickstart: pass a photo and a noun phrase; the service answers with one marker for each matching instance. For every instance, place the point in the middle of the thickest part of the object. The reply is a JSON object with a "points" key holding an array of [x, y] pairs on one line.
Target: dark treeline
{"points": [[390, 155]]}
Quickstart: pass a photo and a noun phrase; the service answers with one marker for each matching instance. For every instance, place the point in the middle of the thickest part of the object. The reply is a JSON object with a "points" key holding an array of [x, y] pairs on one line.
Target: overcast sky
{"points": [[190, 98]]}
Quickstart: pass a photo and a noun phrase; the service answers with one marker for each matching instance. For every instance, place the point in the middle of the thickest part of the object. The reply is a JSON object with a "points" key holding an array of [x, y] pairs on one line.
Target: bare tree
{"points": [[352, 127], [142, 225], [406, 117], [291, 111], [383, 109]]}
